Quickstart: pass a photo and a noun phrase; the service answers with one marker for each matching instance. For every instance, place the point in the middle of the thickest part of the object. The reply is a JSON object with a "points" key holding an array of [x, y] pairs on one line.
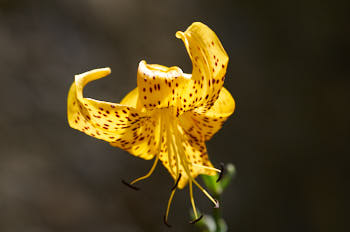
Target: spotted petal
{"points": [[121, 125], [162, 87], [209, 61], [197, 127], [196, 156], [202, 126]]}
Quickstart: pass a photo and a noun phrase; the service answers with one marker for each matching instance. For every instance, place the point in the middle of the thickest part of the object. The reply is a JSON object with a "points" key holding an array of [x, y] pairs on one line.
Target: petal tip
{"points": [[179, 34], [101, 72], [107, 69]]}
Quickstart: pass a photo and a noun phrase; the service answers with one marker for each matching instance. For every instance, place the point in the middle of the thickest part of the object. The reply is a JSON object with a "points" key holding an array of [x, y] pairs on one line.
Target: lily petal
{"points": [[183, 154], [209, 61], [121, 125], [196, 158], [203, 126], [131, 99], [197, 155], [144, 142], [162, 87]]}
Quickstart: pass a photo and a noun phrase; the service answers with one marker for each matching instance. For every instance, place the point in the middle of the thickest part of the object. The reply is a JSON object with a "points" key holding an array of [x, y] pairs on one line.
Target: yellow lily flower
{"points": [[169, 116]]}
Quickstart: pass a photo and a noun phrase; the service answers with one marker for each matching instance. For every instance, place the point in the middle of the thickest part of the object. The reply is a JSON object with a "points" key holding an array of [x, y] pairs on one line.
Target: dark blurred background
{"points": [[289, 137]]}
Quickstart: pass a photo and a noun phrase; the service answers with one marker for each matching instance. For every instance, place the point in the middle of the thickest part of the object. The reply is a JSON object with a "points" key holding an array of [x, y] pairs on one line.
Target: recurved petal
{"points": [[202, 126], [121, 125], [142, 141], [224, 105], [209, 61]]}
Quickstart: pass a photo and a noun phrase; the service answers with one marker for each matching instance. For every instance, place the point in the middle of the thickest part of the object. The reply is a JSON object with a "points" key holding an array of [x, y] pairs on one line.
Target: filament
{"points": [[169, 146], [181, 155], [206, 193], [192, 200], [171, 151], [157, 155], [149, 173], [168, 207], [171, 199], [174, 148], [206, 167]]}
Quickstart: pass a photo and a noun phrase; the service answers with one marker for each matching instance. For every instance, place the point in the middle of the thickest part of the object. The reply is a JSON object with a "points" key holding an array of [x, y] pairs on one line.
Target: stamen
{"points": [[130, 186], [176, 183], [182, 154], [196, 220], [222, 172], [192, 200], [171, 151], [216, 202], [149, 173], [157, 156], [205, 167], [168, 207]]}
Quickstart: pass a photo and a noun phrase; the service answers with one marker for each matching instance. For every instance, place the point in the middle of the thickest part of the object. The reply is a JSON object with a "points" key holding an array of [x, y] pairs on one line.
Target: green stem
{"points": [[215, 222]]}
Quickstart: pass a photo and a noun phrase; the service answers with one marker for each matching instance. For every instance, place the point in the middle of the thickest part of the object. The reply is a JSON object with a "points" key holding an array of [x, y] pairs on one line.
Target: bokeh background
{"points": [[289, 137]]}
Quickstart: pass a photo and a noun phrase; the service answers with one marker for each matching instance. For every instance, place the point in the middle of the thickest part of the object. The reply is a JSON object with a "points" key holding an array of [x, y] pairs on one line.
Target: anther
{"points": [[176, 183], [166, 222], [130, 186], [222, 171], [196, 220]]}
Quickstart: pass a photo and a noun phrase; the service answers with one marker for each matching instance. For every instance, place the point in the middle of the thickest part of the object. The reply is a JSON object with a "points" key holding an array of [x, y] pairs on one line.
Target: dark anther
{"points": [[217, 205], [196, 220], [176, 183], [130, 186], [222, 169], [166, 223]]}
